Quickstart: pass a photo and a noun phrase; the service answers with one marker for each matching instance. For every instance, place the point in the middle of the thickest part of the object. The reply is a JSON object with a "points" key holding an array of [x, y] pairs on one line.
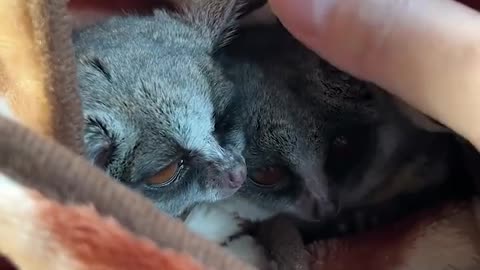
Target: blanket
{"points": [[57, 211]]}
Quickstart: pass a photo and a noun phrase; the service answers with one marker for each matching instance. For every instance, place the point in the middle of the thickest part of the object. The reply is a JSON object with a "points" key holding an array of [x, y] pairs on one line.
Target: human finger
{"points": [[427, 52]]}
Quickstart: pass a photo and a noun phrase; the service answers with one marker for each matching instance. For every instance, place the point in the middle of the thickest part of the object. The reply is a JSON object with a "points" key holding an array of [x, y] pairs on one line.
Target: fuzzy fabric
{"points": [[43, 234]]}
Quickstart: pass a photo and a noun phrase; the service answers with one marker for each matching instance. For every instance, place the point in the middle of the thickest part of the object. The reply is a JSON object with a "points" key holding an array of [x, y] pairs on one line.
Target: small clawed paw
{"points": [[246, 226]]}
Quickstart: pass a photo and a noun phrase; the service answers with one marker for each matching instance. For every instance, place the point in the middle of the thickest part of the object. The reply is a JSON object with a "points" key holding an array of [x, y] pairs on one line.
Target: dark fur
{"points": [[292, 105]]}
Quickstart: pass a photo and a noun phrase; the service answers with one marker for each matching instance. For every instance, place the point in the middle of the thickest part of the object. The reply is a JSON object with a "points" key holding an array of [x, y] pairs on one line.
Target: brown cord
{"points": [[52, 36], [68, 178]]}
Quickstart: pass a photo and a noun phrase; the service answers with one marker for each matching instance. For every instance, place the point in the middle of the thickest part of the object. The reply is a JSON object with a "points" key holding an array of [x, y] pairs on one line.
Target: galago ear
{"points": [[414, 116], [216, 20], [419, 119]]}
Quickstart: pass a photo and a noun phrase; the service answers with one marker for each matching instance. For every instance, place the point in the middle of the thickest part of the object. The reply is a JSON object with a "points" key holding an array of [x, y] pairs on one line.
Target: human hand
{"points": [[427, 52]]}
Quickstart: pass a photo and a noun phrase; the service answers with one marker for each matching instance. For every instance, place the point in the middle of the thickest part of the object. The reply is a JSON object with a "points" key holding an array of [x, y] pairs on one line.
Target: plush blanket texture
{"points": [[59, 212]]}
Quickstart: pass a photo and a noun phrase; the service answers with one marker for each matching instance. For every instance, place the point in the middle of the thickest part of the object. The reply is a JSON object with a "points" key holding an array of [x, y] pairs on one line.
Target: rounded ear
{"points": [[257, 14], [215, 19], [414, 116], [252, 6], [419, 119]]}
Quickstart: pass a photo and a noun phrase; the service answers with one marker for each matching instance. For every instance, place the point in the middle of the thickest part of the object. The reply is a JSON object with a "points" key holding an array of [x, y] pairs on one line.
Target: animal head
{"points": [[281, 150], [318, 156], [320, 141], [151, 96]]}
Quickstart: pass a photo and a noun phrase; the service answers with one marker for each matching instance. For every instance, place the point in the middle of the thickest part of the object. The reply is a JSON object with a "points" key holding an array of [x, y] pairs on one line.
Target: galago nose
{"points": [[237, 176]]}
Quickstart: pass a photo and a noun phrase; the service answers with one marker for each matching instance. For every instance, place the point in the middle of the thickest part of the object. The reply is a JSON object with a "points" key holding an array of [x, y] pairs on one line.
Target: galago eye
{"points": [[269, 176], [167, 175]]}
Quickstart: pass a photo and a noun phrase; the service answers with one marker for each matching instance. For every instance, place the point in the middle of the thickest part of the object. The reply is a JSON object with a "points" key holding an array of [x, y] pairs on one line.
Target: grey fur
{"points": [[152, 94]]}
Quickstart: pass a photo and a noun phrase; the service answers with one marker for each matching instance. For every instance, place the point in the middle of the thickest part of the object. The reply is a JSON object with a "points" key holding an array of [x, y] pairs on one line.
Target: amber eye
{"points": [[167, 175], [269, 176]]}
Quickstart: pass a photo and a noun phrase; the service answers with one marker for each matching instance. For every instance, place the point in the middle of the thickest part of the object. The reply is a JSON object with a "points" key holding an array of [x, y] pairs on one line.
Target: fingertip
{"points": [[303, 18], [425, 52], [334, 29], [309, 21], [295, 15]]}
